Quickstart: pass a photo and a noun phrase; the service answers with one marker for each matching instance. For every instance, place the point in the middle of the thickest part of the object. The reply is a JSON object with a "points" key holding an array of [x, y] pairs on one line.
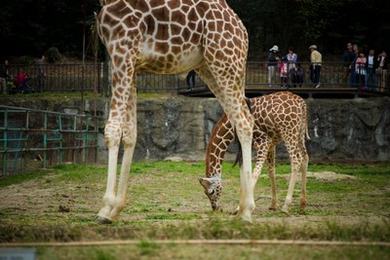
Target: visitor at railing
{"points": [[4, 77], [360, 70], [382, 70], [190, 79], [41, 75], [283, 72], [315, 65], [273, 59], [349, 57], [292, 58], [372, 65], [297, 76], [20, 83]]}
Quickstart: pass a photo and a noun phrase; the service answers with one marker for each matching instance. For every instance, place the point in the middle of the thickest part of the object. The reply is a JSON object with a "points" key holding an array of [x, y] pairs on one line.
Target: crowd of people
{"points": [[365, 71], [289, 69]]}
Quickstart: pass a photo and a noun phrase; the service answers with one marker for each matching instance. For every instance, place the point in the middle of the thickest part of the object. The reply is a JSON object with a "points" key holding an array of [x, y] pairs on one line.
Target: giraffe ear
{"points": [[205, 182]]}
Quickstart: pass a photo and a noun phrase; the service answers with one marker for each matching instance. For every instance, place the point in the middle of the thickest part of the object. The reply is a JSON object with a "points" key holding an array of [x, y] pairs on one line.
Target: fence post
{"points": [[61, 139], [45, 140], [85, 139], [5, 143]]}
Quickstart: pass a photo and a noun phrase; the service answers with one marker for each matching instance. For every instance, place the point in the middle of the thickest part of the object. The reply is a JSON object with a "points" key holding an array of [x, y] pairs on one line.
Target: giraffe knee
{"points": [[120, 203], [109, 199], [129, 135], [112, 134]]}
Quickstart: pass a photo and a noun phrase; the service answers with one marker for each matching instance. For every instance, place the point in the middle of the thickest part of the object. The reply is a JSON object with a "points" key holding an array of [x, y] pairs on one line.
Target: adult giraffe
{"points": [[170, 37]]}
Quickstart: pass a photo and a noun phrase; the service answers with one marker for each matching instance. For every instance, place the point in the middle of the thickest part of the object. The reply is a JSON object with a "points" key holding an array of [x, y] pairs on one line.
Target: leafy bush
{"points": [[53, 55]]}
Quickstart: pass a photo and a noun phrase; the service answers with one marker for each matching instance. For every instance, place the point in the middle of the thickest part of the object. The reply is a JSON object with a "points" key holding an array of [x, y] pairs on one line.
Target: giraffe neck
{"points": [[220, 139]]}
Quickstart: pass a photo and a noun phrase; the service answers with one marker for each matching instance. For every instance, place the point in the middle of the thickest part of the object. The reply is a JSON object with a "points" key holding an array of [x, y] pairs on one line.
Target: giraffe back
{"points": [[280, 115], [172, 36]]}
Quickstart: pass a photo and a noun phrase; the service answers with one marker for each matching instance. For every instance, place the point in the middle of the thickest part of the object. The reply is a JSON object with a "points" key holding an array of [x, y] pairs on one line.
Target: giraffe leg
{"points": [[113, 134], [129, 136], [261, 144], [271, 174], [238, 113], [109, 196], [303, 170], [296, 161], [247, 203]]}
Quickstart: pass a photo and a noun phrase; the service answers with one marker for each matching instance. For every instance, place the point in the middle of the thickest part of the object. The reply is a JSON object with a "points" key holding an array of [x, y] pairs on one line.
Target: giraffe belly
{"points": [[168, 62]]}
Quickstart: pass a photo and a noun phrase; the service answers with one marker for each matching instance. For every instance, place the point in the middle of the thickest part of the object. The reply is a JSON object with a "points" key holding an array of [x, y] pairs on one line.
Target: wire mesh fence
{"points": [[32, 139]]}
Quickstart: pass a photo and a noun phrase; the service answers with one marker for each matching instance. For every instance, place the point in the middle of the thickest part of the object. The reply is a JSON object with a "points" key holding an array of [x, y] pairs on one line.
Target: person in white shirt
{"points": [[371, 67], [382, 70]]}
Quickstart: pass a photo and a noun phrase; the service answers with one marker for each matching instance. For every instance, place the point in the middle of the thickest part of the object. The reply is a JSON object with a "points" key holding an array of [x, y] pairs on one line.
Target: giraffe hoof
{"points": [[285, 211], [246, 217], [103, 220], [235, 212]]}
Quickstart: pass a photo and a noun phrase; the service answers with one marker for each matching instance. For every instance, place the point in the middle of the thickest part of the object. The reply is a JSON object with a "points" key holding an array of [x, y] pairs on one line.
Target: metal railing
{"points": [[31, 138], [332, 75], [58, 77], [95, 77]]}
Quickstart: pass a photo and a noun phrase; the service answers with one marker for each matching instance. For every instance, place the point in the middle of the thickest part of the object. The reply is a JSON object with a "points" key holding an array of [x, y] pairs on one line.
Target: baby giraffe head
{"points": [[213, 189]]}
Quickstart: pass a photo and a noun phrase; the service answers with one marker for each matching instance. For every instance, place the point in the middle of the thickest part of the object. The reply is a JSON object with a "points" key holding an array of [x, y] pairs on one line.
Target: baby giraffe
{"points": [[279, 117]]}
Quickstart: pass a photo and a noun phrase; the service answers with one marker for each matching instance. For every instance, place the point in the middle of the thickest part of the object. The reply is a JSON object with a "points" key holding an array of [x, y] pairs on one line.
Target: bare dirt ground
{"points": [[165, 201]]}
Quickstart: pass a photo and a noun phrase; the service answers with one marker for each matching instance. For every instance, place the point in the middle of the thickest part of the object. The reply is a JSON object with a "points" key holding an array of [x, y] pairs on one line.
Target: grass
{"points": [[165, 201], [150, 251]]}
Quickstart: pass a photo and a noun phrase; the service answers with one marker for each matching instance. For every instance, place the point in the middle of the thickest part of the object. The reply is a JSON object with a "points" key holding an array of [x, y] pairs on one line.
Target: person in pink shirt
{"points": [[360, 69], [283, 71]]}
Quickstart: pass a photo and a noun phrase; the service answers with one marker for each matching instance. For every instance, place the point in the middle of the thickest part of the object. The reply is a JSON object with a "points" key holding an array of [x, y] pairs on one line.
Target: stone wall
{"points": [[175, 126], [343, 130]]}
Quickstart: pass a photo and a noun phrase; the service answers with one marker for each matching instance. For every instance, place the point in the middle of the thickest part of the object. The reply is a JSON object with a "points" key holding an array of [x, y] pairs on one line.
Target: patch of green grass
{"points": [[16, 179], [171, 216], [78, 172], [165, 201], [147, 248]]}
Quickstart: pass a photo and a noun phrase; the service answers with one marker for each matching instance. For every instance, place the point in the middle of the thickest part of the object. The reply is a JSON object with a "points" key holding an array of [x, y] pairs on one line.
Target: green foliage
{"points": [[53, 55], [31, 27], [300, 23]]}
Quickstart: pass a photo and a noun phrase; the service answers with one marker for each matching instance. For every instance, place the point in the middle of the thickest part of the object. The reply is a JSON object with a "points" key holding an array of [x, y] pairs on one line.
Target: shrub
{"points": [[53, 55]]}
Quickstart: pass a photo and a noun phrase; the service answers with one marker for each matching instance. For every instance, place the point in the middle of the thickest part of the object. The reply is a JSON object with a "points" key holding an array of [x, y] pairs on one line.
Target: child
{"points": [[283, 69], [297, 75], [360, 69]]}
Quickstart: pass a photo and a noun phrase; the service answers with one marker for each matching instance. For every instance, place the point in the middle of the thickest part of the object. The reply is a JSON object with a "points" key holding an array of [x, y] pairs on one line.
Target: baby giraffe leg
{"points": [[261, 145], [272, 177]]}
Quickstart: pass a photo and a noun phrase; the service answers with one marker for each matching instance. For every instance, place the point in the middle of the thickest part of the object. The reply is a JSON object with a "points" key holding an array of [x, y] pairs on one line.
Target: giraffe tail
{"points": [[307, 132], [305, 120]]}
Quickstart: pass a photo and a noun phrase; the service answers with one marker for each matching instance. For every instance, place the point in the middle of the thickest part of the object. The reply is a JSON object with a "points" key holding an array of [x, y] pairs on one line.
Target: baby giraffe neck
{"points": [[220, 139]]}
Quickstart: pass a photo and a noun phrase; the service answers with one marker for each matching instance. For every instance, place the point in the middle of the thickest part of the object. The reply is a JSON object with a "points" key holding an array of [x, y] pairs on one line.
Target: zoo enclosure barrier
{"points": [[32, 139], [96, 77], [332, 75]]}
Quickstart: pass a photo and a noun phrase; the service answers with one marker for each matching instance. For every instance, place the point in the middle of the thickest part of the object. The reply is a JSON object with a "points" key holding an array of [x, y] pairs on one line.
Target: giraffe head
{"points": [[213, 189]]}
